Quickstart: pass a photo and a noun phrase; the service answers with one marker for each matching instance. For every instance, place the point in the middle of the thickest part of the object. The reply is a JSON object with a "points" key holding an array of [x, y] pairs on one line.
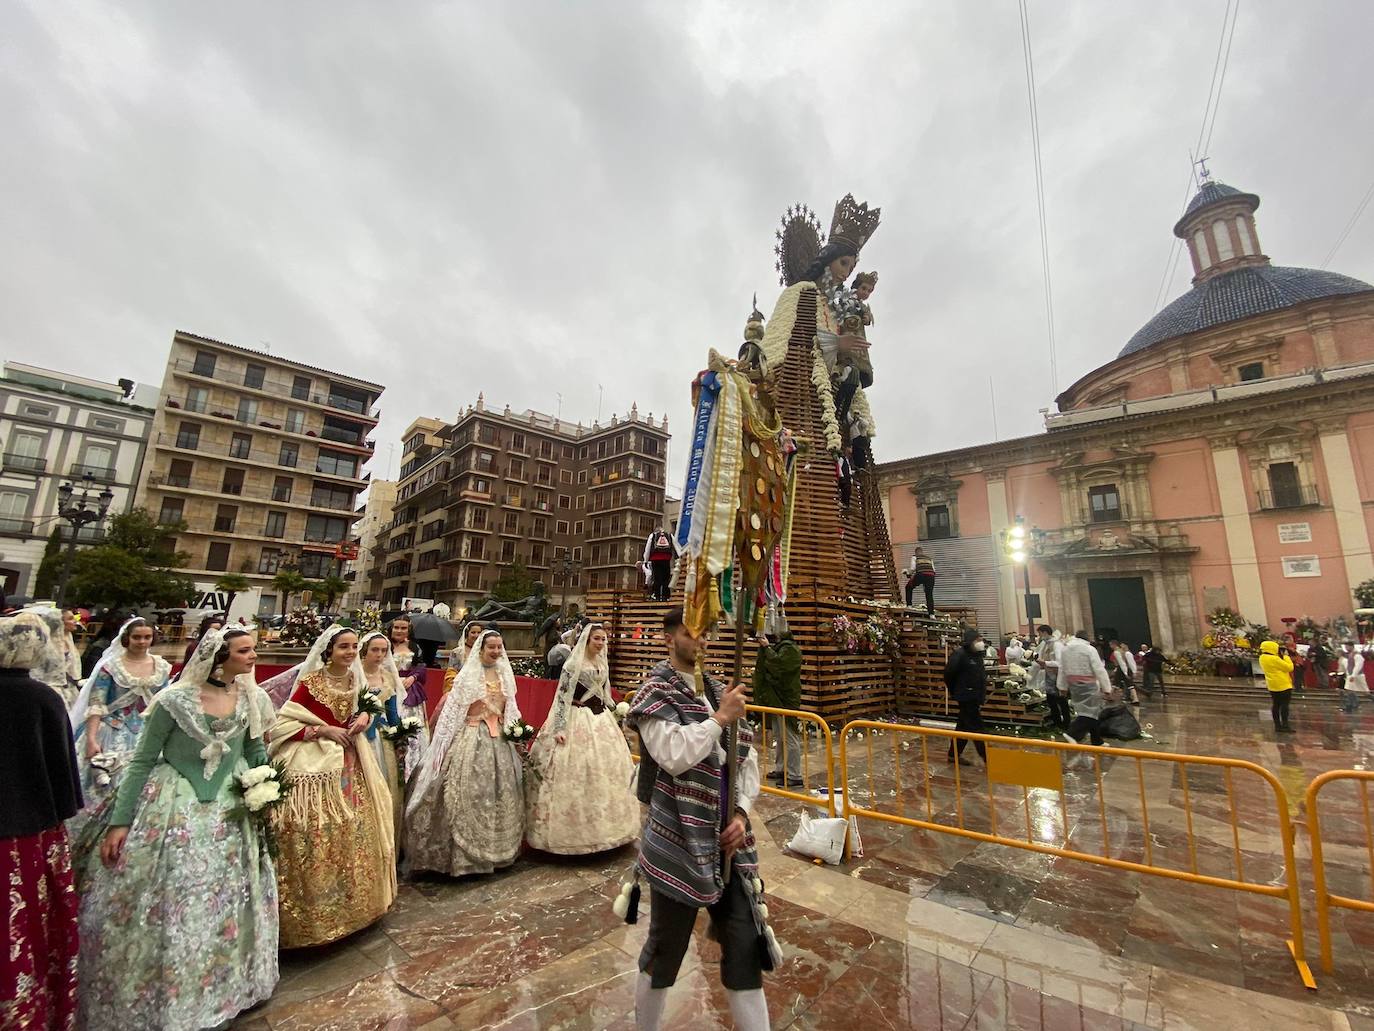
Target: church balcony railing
{"points": [[1302, 495]]}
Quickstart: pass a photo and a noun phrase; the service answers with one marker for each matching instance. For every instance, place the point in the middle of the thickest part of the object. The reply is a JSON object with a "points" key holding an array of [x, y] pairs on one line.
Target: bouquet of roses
{"points": [[622, 709], [369, 704], [261, 789], [409, 727], [519, 732]]}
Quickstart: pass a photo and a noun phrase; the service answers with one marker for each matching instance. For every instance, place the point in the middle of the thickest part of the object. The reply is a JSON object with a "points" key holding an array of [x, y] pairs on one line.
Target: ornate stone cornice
{"points": [[1219, 422]]}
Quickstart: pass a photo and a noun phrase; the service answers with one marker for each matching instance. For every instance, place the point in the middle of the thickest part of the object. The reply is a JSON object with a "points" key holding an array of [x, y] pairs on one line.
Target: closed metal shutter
{"points": [[965, 576]]}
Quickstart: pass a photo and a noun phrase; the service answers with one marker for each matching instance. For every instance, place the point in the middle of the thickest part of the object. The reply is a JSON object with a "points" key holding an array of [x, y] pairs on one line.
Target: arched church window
{"points": [[1247, 241], [1221, 235]]}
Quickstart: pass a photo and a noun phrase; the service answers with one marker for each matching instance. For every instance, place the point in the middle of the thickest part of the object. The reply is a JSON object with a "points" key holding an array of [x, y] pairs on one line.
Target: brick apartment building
{"points": [[493, 487]]}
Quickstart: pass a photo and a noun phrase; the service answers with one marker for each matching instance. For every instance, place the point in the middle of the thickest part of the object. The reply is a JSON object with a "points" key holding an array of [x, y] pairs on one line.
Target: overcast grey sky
{"points": [[527, 198]]}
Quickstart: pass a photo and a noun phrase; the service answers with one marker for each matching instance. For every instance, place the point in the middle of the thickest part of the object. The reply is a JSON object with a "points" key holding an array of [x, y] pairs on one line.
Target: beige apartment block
{"points": [[261, 457], [495, 487], [364, 575]]}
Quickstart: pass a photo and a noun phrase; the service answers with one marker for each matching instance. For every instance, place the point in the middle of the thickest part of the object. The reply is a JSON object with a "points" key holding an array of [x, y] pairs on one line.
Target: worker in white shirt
{"points": [[1126, 670]]}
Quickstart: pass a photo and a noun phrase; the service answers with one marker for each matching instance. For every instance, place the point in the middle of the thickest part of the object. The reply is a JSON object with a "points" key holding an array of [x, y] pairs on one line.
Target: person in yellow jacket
{"points": [[1278, 677]]}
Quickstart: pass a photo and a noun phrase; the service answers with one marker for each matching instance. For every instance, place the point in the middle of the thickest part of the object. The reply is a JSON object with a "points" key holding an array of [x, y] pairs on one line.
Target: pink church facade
{"points": [[1224, 458]]}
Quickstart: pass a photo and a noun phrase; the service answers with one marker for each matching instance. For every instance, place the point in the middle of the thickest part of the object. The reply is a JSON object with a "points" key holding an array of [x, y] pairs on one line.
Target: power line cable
{"points": [[1034, 112], [1204, 137], [1349, 225]]}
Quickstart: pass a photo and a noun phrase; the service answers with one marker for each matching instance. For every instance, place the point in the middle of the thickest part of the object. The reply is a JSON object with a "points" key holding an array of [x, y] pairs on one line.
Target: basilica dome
{"points": [[1238, 294]]}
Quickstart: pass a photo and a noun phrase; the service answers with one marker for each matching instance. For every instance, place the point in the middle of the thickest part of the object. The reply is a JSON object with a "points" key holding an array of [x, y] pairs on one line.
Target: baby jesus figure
{"points": [[864, 285]]}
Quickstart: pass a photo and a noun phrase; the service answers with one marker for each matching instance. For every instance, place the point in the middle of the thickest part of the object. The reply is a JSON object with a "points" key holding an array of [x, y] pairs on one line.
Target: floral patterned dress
{"points": [[119, 698], [182, 932]]}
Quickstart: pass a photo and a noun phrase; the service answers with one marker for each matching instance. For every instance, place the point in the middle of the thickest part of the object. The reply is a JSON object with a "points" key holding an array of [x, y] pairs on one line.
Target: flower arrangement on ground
{"points": [[300, 629], [1227, 644]]}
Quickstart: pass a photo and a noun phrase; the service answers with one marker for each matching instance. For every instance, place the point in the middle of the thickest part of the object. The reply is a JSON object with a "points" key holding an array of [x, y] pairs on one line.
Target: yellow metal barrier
{"points": [[1325, 898], [1039, 765], [761, 744]]}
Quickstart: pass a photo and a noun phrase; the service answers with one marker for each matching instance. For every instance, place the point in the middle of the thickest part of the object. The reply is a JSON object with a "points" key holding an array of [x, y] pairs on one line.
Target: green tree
{"points": [[133, 565], [140, 534], [330, 589], [514, 584], [232, 584], [106, 575], [50, 569], [286, 583]]}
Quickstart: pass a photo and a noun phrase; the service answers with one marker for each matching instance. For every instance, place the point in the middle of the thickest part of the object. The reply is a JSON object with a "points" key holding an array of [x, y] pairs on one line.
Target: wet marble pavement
{"points": [[925, 929]]}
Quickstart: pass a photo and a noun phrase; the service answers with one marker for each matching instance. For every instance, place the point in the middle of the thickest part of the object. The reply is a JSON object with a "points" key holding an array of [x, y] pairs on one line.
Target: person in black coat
{"points": [[966, 679], [42, 790]]}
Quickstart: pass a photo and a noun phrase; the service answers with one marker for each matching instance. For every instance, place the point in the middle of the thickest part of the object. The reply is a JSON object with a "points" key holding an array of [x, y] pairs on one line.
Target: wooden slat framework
{"points": [[840, 556]]}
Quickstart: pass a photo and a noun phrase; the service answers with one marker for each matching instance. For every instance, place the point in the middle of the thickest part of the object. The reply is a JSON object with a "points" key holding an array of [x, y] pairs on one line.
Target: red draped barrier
{"points": [[533, 694]]}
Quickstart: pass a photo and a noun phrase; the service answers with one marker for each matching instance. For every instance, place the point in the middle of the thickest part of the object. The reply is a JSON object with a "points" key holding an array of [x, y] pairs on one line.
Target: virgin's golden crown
{"points": [[853, 223]]}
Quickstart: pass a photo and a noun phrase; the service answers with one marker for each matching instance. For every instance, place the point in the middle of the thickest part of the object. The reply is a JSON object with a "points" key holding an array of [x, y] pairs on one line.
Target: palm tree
{"points": [[331, 588], [286, 583], [232, 584]]}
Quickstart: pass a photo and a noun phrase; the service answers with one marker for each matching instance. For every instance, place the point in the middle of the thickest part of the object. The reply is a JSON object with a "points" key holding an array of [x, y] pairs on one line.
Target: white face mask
{"points": [[979, 646]]}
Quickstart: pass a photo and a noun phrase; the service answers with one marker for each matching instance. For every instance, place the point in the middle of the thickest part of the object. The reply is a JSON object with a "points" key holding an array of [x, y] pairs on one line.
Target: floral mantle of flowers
{"points": [[879, 634]]}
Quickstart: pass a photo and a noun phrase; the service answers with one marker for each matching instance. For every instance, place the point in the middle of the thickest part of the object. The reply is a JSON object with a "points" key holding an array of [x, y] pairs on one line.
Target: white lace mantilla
{"points": [[134, 688]]}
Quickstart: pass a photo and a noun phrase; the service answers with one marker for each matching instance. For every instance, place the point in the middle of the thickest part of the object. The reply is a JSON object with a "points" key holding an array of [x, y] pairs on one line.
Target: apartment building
{"points": [[261, 456], [364, 575], [60, 428], [408, 548], [500, 486]]}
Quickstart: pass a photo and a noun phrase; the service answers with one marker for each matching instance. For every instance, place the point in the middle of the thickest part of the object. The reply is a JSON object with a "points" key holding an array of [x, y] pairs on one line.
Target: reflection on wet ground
{"points": [[925, 930]]}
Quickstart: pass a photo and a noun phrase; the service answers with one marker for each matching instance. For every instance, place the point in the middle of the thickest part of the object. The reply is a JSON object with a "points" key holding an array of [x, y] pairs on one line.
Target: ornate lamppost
{"points": [[78, 511], [564, 566], [1019, 544]]}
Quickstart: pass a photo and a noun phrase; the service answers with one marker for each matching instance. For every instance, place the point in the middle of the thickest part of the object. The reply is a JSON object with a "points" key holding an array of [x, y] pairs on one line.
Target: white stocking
{"points": [[649, 1003], [749, 1009]]}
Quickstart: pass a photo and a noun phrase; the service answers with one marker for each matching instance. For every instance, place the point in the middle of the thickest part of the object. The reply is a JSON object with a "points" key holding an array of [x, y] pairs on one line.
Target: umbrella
{"points": [[426, 626]]}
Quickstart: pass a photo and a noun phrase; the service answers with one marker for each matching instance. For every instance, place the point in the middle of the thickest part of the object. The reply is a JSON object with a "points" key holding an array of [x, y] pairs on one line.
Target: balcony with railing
{"points": [[186, 368], [1297, 495], [14, 463], [99, 473], [10, 525]]}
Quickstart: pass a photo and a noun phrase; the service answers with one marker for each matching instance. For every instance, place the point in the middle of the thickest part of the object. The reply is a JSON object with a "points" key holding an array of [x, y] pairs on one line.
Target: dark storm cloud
{"points": [[527, 199]]}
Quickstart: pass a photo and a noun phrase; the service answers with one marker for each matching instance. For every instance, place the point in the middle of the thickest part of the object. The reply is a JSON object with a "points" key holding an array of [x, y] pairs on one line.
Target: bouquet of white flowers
{"points": [[261, 789], [622, 710], [409, 727], [369, 704], [519, 732]]}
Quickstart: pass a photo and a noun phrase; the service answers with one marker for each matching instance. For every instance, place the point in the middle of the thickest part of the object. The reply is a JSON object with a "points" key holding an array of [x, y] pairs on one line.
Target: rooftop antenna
{"points": [[560, 405], [600, 392]]}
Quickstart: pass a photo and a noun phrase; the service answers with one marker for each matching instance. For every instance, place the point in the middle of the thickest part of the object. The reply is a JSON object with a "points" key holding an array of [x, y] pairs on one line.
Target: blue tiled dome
{"points": [[1239, 294], [1210, 192]]}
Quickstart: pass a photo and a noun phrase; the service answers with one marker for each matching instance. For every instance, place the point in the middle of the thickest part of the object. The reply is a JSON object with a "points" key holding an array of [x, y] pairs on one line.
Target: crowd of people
{"points": [[155, 891]]}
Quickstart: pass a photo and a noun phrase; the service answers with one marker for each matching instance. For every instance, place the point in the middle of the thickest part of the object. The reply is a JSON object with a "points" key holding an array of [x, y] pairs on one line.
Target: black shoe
{"points": [[775, 775], [794, 782], [1287, 730], [962, 760]]}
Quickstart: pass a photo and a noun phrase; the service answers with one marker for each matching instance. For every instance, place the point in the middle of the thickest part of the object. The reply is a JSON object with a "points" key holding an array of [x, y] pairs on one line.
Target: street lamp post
{"points": [[1019, 543], [563, 568], [78, 511]]}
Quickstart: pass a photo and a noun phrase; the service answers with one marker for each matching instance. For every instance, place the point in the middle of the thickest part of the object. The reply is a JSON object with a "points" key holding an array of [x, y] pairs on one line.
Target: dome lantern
{"points": [[1219, 228]]}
